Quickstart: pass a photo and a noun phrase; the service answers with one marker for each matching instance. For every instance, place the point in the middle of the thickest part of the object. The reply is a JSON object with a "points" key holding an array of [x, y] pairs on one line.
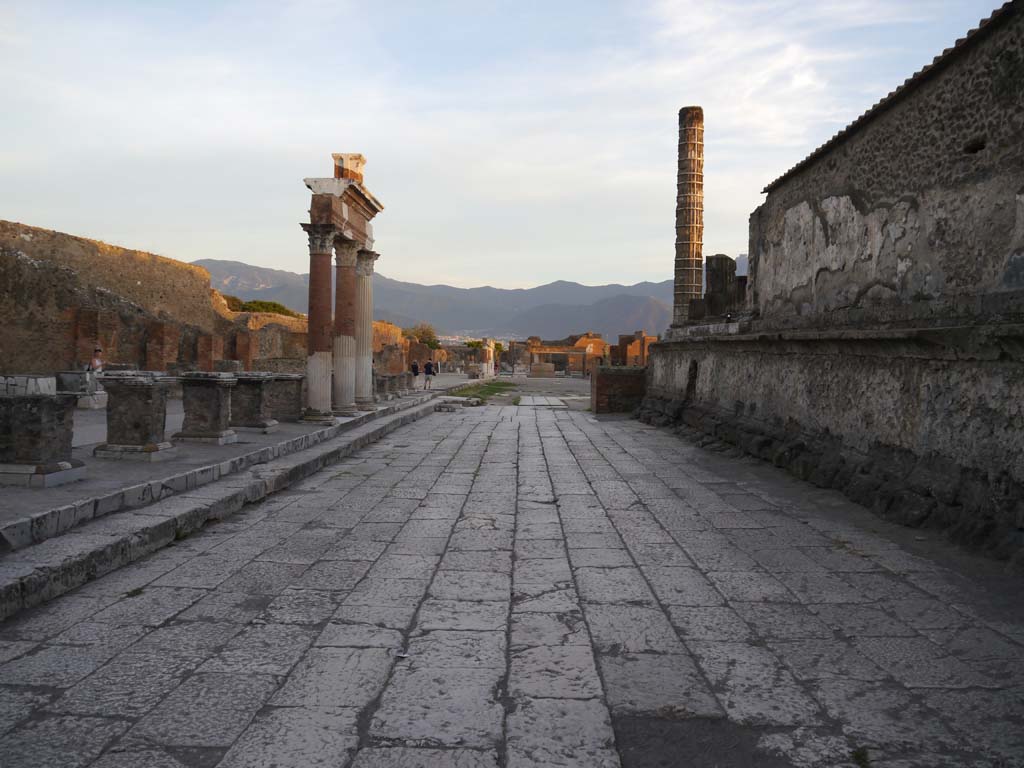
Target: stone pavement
{"points": [[526, 587]]}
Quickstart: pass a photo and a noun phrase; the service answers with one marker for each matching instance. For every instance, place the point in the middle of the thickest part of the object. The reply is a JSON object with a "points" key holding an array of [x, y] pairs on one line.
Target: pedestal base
{"points": [[366, 405], [210, 438], [346, 411], [151, 452], [42, 475], [317, 417]]}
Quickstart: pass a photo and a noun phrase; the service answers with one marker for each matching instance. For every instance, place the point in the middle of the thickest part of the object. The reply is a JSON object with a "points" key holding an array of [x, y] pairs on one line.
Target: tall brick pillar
{"points": [[689, 213], [318, 360], [364, 329], [345, 328]]}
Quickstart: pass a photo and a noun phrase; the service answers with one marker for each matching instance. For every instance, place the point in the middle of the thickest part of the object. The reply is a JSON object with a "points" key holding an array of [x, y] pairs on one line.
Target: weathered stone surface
{"points": [[558, 732], [662, 685], [335, 678], [405, 757], [208, 710], [295, 737], [441, 707]]}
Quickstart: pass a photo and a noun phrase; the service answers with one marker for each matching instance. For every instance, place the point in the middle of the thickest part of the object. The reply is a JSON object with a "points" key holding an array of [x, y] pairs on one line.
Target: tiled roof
{"points": [[998, 16]]}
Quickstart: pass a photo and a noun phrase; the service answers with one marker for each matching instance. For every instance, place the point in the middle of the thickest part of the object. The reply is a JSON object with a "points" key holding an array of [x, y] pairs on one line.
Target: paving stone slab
{"points": [[631, 629], [440, 707], [561, 732], [753, 685], [207, 710], [295, 737], [68, 742], [335, 678], [561, 672], [661, 685]]}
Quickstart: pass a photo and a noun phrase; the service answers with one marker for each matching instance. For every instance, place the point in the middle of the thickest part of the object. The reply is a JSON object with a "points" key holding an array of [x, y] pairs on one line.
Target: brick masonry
{"points": [[616, 389]]}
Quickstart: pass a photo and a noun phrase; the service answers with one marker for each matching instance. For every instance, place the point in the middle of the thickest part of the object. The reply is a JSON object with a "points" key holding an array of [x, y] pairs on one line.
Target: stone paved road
{"points": [[522, 587]]}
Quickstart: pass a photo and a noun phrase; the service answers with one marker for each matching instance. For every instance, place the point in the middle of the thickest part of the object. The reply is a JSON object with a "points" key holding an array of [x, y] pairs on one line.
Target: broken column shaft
{"points": [[689, 213]]}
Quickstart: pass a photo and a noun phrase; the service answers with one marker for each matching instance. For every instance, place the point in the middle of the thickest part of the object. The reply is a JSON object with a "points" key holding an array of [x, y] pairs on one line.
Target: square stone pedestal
{"points": [[285, 396], [35, 440], [251, 409], [206, 398], [136, 417]]}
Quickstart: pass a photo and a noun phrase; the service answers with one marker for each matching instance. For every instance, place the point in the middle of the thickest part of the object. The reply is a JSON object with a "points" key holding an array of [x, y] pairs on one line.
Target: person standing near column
{"points": [[428, 374]]}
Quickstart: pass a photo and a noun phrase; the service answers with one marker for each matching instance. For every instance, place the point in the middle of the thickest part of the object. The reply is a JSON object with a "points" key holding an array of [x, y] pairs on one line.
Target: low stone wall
{"points": [[925, 427], [617, 390]]}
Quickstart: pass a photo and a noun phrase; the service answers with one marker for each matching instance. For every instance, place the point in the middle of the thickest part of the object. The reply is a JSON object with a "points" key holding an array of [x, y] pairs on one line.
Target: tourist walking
{"points": [[428, 374], [415, 374]]}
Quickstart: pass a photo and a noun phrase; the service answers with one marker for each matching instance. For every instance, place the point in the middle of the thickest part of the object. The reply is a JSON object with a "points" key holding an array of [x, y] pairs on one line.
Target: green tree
{"points": [[272, 307], [475, 344], [424, 333]]}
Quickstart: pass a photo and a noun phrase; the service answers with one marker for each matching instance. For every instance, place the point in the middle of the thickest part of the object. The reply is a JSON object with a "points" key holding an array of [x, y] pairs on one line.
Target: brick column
{"points": [[345, 328], [689, 213], [318, 348], [364, 329]]}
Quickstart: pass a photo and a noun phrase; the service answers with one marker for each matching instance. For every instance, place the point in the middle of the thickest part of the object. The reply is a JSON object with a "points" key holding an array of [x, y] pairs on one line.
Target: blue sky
{"points": [[511, 143]]}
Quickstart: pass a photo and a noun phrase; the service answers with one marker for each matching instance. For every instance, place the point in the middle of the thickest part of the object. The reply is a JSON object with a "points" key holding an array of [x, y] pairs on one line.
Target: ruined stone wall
{"points": [[164, 287], [917, 214], [923, 426], [385, 334], [616, 390]]}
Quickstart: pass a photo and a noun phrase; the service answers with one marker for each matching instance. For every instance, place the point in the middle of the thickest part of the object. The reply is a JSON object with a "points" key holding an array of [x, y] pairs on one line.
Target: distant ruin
{"points": [[878, 345]]}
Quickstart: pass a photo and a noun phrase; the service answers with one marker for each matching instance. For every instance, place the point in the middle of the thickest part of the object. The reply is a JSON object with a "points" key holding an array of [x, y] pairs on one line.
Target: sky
{"points": [[511, 143]]}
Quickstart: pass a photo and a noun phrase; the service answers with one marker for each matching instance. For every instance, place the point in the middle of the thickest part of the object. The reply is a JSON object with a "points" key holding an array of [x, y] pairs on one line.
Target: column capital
{"points": [[364, 262], [345, 252], [321, 237]]}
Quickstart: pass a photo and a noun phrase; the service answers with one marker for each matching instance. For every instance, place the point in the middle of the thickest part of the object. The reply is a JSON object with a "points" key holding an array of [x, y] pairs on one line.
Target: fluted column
{"points": [[345, 328], [364, 329], [318, 345]]}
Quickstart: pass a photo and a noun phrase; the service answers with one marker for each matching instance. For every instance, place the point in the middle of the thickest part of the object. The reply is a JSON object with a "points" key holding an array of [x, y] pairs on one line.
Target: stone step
{"points": [[37, 527], [44, 570]]}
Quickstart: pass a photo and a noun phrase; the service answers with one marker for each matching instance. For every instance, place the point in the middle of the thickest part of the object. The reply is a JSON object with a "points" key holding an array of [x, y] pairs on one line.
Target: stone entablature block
{"points": [[28, 385]]}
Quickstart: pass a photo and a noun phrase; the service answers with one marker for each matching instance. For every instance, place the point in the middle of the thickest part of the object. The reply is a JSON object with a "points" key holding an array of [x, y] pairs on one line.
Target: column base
{"points": [[151, 452], [42, 475], [311, 416], [346, 411], [226, 437], [365, 404]]}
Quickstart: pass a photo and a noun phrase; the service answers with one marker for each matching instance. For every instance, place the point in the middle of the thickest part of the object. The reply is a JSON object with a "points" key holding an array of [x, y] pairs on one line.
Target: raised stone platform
{"points": [[58, 548]]}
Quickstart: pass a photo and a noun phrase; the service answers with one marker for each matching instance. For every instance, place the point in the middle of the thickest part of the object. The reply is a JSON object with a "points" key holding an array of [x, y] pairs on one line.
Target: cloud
{"points": [[509, 146]]}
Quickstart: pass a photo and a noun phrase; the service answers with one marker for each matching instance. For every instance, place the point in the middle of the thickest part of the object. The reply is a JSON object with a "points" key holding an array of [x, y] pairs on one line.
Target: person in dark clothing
{"points": [[415, 367], [428, 374]]}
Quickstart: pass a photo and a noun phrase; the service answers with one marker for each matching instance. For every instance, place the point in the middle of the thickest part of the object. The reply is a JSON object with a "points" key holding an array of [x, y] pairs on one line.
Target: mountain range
{"points": [[552, 311]]}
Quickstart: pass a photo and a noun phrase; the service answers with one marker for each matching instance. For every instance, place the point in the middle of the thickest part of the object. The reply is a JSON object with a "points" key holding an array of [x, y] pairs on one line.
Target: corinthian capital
{"points": [[321, 237], [345, 252], [364, 262]]}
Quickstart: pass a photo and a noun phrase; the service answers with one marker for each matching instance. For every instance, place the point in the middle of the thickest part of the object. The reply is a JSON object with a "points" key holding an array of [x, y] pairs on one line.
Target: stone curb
{"points": [[43, 571], [46, 524]]}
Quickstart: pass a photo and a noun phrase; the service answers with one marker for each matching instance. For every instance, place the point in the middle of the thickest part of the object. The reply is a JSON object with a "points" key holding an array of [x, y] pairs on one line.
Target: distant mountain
{"points": [[610, 317], [553, 310]]}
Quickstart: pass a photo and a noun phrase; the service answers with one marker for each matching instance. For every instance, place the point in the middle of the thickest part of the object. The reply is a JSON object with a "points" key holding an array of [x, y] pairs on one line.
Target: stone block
{"points": [[207, 401], [136, 415], [251, 403], [285, 396], [617, 389]]}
